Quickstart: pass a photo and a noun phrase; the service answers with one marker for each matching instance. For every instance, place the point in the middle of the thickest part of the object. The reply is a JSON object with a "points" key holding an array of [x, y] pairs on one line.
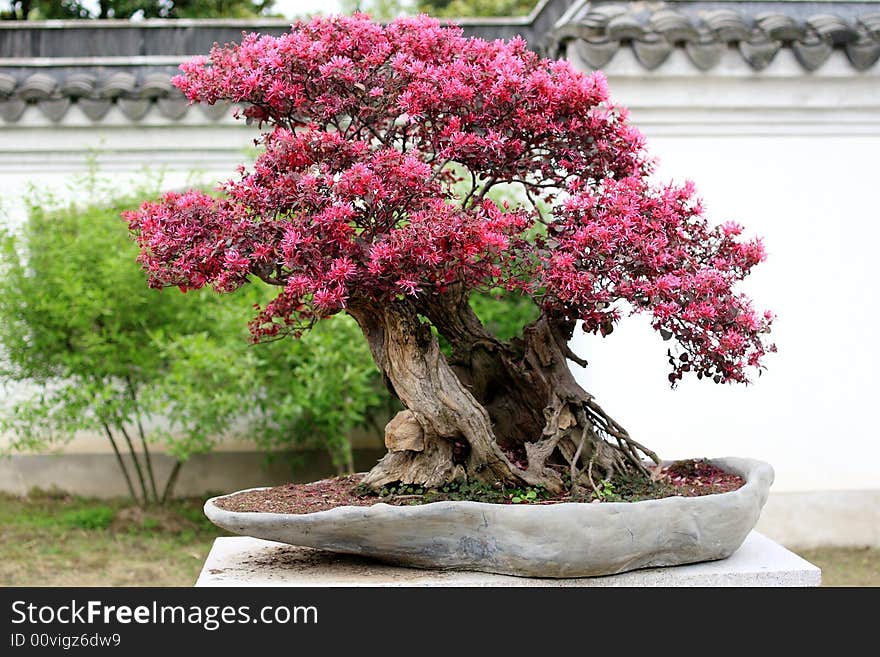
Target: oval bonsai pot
{"points": [[567, 539]]}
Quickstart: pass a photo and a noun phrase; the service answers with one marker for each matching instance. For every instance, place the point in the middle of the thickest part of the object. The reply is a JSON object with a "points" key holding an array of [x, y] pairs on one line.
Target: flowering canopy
{"points": [[382, 145]]}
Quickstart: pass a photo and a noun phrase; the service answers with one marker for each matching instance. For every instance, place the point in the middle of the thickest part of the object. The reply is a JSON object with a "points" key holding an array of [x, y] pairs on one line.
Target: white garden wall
{"points": [[795, 157]]}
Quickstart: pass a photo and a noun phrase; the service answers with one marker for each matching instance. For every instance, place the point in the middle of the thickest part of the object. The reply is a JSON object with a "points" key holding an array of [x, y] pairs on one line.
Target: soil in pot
{"points": [[688, 478]]}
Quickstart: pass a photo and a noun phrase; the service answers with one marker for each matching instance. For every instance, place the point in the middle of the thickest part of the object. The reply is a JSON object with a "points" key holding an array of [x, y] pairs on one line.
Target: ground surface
{"points": [[846, 566], [52, 541], [690, 478]]}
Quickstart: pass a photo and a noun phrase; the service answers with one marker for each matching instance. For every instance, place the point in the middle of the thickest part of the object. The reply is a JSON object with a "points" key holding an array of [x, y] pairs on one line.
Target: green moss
{"points": [[456, 491]]}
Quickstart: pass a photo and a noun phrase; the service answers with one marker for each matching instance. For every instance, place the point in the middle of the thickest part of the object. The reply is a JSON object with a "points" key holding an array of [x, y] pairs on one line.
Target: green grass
{"points": [[51, 540], [59, 540]]}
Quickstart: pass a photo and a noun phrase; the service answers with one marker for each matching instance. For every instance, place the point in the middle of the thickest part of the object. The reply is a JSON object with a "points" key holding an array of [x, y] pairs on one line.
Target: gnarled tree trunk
{"points": [[495, 412]]}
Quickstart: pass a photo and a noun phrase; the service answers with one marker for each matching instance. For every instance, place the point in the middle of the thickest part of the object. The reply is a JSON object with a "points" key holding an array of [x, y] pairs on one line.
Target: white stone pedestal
{"points": [[243, 561]]}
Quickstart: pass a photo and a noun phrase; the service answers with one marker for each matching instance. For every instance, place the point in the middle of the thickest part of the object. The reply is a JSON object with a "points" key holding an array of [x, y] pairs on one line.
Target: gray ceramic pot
{"points": [[554, 540]]}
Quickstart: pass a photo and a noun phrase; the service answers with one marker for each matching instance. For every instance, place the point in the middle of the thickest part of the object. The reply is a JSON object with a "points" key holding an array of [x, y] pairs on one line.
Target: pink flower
{"points": [[731, 228], [236, 262], [408, 286]]}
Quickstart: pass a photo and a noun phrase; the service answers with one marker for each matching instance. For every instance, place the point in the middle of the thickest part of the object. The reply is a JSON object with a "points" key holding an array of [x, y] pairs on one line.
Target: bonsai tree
{"points": [[371, 197]]}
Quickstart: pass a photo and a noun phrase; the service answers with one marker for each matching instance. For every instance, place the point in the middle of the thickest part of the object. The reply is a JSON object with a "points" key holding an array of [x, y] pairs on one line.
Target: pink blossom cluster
{"points": [[627, 241], [380, 146]]}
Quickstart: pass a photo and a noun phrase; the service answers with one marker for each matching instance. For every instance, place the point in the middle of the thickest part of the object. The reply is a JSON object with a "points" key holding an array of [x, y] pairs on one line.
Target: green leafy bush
{"points": [[74, 319], [96, 350], [309, 393]]}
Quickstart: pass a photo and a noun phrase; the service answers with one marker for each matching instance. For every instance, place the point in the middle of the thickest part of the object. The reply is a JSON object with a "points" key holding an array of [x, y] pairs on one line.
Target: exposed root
{"points": [[518, 396], [627, 445], [587, 439], [574, 460], [590, 477]]}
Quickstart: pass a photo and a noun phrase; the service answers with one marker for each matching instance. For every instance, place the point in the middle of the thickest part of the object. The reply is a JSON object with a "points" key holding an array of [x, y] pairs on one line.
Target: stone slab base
{"points": [[244, 561]]}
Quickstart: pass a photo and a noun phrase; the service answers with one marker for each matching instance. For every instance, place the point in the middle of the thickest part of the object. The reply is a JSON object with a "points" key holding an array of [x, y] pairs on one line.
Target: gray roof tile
{"points": [[704, 28], [131, 68]]}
